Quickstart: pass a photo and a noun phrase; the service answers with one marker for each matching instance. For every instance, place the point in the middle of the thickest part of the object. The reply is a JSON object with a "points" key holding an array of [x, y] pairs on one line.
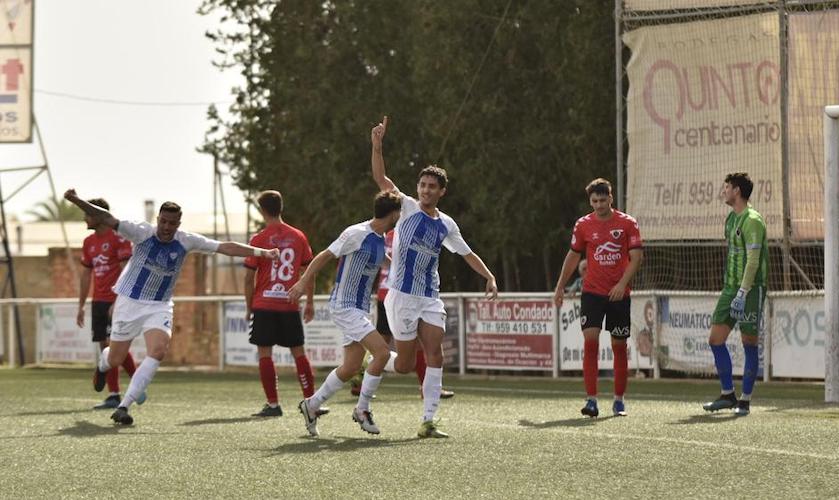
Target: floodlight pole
{"points": [[831, 254]]}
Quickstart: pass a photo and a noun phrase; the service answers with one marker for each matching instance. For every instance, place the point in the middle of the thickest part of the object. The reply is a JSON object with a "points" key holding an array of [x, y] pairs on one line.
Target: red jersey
{"points": [[103, 254], [606, 244], [275, 277], [382, 292]]}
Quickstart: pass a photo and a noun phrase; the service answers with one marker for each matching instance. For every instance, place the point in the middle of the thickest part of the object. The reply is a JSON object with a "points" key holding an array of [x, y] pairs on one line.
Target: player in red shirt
{"points": [[384, 328], [275, 320], [104, 254], [613, 247]]}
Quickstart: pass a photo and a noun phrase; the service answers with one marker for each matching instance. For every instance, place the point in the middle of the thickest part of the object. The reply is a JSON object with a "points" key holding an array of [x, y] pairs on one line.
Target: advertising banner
{"points": [[60, 340], [510, 334], [798, 330], [323, 339], [16, 24], [639, 345], [703, 101]]}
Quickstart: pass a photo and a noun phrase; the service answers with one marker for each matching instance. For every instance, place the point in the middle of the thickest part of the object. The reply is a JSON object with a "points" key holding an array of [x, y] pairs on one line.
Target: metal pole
{"points": [[621, 198], [831, 254], [783, 25], [214, 258], [461, 336], [11, 279], [221, 328]]}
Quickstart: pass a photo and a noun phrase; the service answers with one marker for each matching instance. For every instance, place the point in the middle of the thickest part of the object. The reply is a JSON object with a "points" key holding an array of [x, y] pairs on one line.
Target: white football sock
{"points": [[369, 385], [103, 360], [390, 362], [431, 387], [140, 380], [329, 387]]}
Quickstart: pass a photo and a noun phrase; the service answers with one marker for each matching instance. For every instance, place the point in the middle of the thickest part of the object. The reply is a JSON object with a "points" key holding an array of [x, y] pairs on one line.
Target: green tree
{"points": [[514, 98], [49, 211]]}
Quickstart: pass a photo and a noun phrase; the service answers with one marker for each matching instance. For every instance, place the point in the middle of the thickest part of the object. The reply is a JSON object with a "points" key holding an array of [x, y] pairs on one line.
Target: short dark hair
{"points": [[386, 202], [741, 180], [99, 202], [599, 186], [170, 206], [435, 171], [271, 202]]}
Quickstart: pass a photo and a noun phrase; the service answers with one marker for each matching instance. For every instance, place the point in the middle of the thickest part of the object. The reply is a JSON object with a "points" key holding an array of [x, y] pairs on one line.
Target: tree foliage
{"points": [[514, 98], [50, 211]]}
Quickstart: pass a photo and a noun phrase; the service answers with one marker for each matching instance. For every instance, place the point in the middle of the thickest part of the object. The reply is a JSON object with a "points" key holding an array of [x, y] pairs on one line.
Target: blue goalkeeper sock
{"points": [[722, 359], [750, 369]]}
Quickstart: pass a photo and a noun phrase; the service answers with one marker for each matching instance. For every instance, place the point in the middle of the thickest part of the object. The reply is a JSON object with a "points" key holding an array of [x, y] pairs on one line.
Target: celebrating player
{"points": [[361, 250], [612, 244], [414, 309], [144, 290], [103, 254], [276, 319], [743, 293]]}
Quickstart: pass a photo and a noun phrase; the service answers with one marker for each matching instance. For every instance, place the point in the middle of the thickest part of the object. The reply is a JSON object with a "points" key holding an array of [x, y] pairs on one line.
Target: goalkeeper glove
{"points": [[738, 304]]}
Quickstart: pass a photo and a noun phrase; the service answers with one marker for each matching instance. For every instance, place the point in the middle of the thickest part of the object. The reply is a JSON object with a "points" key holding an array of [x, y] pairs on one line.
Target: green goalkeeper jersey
{"points": [[745, 233]]}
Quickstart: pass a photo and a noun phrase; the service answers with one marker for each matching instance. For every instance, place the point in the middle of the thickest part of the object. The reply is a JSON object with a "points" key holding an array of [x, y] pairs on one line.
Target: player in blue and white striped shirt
{"points": [[144, 290], [361, 250], [414, 310]]}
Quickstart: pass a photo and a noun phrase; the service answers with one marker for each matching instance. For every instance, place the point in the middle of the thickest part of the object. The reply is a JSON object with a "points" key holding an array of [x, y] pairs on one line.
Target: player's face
{"points": [[92, 222], [729, 194], [429, 191], [392, 219], [167, 225], [601, 203]]}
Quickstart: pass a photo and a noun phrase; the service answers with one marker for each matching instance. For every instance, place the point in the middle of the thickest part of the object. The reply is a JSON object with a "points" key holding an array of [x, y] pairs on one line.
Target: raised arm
{"points": [[378, 161], [479, 267], [100, 214], [235, 249], [305, 284]]}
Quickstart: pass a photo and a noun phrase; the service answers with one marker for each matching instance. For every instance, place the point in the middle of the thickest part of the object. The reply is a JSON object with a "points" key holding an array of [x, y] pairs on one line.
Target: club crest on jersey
{"points": [[173, 255], [616, 233], [105, 246]]}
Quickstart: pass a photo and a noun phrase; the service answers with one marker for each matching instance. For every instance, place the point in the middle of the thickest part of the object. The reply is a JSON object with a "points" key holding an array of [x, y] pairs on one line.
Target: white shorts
{"points": [[404, 312], [134, 317], [353, 323]]}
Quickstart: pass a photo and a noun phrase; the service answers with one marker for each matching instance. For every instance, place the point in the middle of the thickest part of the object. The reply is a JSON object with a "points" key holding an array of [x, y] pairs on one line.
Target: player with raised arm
{"points": [[361, 250], [743, 293], [612, 244], [413, 306], [275, 320], [103, 254], [144, 290]]}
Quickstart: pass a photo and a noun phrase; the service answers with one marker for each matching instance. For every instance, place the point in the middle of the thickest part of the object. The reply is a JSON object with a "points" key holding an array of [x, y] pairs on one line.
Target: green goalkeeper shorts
{"points": [[753, 314]]}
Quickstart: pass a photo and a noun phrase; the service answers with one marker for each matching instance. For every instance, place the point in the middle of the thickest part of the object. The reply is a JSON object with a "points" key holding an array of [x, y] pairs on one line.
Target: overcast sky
{"points": [[148, 51]]}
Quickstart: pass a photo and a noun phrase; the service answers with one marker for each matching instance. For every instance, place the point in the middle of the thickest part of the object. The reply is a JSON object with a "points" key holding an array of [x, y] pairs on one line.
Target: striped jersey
{"points": [[154, 267], [417, 243], [361, 252], [745, 232]]}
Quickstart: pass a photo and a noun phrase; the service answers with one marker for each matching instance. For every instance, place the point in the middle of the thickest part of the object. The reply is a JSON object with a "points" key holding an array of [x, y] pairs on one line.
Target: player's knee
{"points": [[158, 352], [404, 365]]}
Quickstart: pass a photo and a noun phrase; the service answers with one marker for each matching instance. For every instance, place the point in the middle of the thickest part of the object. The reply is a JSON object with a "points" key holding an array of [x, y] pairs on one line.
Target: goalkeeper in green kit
{"points": [[743, 294]]}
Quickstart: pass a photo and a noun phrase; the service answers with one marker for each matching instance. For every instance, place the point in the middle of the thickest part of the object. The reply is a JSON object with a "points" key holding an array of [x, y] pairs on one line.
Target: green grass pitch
{"points": [[511, 438]]}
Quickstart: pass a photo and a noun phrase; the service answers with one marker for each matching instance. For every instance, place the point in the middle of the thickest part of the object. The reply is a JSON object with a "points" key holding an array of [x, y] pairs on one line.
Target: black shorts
{"points": [[594, 307], [100, 320], [282, 328], [381, 319]]}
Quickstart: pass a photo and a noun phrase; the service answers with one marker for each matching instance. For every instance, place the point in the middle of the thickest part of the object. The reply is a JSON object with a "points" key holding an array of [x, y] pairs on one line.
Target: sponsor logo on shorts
{"points": [[620, 331], [583, 321]]}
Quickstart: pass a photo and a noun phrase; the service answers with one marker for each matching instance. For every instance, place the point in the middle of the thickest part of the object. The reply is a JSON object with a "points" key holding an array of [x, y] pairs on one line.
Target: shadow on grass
{"points": [[84, 429], [221, 421], [339, 444], [706, 418], [568, 422], [53, 412]]}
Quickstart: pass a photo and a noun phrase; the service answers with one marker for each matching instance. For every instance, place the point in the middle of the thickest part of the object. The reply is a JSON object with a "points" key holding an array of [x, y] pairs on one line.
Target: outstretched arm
{"points": [[102, 215], [305, 284], [572, 259], [235, 249], [479, 267], [378, 161]]}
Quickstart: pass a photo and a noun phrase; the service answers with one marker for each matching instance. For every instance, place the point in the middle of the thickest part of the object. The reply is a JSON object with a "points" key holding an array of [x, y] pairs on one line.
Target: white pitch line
{"points": [[685, 442]]}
